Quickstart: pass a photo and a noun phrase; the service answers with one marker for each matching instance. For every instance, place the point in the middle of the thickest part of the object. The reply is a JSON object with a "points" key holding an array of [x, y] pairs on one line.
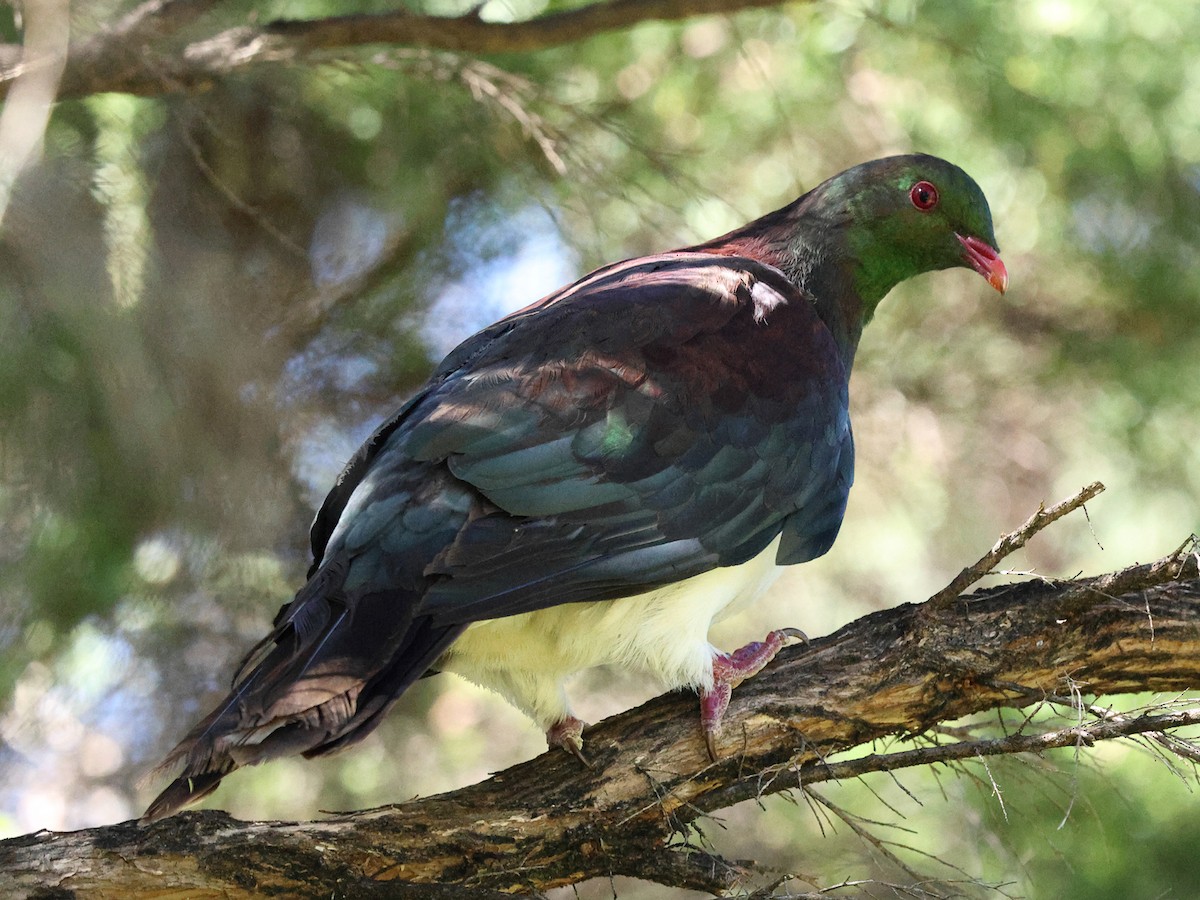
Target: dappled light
{"points": [[210, 298]]}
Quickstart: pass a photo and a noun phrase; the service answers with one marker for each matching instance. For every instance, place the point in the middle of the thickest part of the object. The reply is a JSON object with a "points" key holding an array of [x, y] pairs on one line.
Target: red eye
{"points": [[924, 196]]}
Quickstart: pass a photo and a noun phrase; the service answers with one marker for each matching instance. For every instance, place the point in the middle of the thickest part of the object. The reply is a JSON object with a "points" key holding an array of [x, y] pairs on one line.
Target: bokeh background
{"points": [[208, 298]]}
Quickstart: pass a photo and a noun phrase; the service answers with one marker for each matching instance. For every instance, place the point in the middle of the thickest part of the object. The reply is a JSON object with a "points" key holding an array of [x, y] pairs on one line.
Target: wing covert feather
{"points": [[646, 424]]}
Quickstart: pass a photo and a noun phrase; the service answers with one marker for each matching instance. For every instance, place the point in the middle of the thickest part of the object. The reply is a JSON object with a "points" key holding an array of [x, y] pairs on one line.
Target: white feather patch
{"points": [[766, 299], [527, 658]]}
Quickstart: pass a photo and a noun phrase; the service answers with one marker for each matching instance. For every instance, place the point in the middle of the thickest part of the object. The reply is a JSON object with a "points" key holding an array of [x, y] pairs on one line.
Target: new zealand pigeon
{"points": [[597, 478]]}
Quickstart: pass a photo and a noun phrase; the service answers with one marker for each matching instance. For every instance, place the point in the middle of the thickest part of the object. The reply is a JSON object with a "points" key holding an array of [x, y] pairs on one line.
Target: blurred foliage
{"points": [[206, 302]]}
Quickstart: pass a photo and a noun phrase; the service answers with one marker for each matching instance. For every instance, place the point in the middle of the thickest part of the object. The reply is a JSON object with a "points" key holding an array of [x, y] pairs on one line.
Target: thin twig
{"points": [[232, 198], [1073, 736], [1010, 543], [1172, 743], [485, 81], [996, 792], [851, 820]]}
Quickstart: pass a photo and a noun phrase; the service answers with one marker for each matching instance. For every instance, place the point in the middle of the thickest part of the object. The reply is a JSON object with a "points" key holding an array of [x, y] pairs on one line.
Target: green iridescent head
{"points": [[905, 215]]}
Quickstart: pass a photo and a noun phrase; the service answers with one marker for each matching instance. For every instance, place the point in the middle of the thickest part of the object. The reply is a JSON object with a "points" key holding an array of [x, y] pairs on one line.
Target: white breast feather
{"points": [[527, 658]]}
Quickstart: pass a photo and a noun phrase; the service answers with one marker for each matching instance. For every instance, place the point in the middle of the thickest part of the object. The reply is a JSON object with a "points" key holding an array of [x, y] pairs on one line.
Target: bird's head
{"points": [[904, 215]]}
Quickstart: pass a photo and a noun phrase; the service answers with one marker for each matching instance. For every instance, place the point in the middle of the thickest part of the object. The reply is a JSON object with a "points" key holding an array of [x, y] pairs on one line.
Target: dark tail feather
{"points": [[302, 617], [423, 644], [205, 761], [321, 681], [300, 630], [180, 793]]}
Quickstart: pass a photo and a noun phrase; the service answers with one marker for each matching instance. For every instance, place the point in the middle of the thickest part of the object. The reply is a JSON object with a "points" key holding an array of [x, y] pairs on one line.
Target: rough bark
{"points": [[552, 822], [154, 49]]}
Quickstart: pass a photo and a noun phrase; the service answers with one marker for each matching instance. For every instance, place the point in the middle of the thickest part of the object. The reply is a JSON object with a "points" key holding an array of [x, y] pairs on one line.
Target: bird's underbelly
{"points": [[663, 632]]}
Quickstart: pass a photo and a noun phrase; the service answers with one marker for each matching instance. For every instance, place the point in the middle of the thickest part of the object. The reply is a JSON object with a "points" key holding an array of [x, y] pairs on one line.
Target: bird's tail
{"points": [[319, 681], [180, 793]]}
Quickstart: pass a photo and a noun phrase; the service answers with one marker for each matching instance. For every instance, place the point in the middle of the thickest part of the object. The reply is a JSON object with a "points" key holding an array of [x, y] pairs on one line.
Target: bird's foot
{"points": [[730, 670], [568, 734]]}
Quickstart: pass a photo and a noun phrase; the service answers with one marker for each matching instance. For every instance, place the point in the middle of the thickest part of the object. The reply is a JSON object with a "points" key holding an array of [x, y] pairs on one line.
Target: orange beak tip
{"points": [[998, 277], [985, 259]]}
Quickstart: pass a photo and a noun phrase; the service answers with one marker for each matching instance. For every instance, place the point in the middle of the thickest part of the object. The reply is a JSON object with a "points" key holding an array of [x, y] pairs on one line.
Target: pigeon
{"points": [[597, 478]]}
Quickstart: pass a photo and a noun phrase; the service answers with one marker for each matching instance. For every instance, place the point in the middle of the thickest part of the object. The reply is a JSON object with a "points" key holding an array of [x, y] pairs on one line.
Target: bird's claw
{"points": [[730, 670], [713, 704], [567, 733], [710, 741], [794, 635]]}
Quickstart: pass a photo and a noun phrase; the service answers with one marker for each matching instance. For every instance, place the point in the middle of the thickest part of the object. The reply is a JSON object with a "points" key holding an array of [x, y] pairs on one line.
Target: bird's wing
{"points": [[455, 365], [657, 419]]}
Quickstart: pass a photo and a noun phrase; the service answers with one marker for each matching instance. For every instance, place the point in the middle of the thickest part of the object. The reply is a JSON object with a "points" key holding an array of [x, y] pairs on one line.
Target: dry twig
{"points": [[1010, 543]]}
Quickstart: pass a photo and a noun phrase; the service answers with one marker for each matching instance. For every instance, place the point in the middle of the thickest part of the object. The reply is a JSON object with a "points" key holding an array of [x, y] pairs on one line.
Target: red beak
{"points": [[985, 260]]}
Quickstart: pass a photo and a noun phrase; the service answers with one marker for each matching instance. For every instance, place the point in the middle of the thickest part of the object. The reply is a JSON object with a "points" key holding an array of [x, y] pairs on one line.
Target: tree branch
{"points": [[141, 55], [1072, 736], [35, 81], [1010, 543], [551, 822]]}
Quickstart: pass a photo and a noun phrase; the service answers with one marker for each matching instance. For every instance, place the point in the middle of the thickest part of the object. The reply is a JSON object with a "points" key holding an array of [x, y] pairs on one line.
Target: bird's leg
{"points": [[730, 670], [568, 734]]}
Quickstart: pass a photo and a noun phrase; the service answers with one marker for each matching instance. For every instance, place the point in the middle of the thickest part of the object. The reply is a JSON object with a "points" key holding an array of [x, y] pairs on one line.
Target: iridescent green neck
{"points": [[871, 260], [878, 267]]}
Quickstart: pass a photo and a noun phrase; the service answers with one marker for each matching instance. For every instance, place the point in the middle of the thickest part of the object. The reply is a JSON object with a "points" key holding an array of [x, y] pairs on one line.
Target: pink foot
{"points": [[568, 734], [730, 670]]}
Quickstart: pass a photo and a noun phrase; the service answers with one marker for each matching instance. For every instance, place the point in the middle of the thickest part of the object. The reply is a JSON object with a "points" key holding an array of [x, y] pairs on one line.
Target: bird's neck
{"points": [[809, 254]]}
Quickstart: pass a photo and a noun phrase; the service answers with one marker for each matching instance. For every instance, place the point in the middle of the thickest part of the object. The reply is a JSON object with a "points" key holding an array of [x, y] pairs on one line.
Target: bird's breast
{"points": [[663, 631]]}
